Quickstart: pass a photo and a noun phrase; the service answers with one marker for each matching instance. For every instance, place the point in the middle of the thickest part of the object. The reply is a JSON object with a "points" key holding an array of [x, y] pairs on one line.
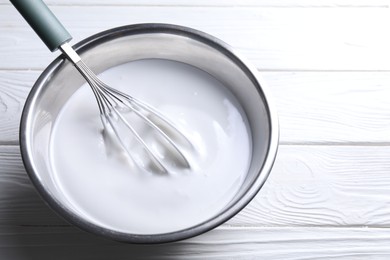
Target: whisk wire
{"points": [[109, 99]]}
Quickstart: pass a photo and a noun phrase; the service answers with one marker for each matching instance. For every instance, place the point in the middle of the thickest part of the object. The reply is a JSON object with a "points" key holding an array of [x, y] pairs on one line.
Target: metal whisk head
{"points": [[129, 119]]}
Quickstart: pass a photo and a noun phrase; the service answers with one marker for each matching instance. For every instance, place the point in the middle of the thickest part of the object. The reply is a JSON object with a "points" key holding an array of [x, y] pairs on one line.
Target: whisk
{"points": [[111, 102]]}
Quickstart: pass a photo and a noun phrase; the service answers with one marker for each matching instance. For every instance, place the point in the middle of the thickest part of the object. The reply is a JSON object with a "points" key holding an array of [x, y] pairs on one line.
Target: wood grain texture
{"points": [[332, 107], [309, 186], [324, 186], [313, 107], [223, 243], [272, 38], [14, 88], [273, 3]]}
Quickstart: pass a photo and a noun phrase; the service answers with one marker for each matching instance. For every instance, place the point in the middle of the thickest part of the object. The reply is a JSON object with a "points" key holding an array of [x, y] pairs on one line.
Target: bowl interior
{"points": [[60, 80]]}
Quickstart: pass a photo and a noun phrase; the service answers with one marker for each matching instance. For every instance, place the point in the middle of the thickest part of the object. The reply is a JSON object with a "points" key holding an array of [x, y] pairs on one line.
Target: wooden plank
{"points": [[313, 107], [272, 38], [332, 107], [273, 3], [223, 243], [324, 186], [14, 88], [19, 201], [309, 186]]}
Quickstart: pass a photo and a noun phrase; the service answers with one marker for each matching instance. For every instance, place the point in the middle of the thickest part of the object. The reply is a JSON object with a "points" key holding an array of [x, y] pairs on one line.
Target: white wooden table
{"points": [[327, 63]]}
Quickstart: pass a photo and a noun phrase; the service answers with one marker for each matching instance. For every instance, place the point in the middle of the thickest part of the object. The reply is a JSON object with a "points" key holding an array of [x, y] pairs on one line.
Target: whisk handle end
{"points": [[43, 21]]}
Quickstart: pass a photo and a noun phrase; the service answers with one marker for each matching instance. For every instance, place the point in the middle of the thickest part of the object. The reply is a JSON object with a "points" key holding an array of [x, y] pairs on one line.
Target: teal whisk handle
{"points": [[44, 22]]}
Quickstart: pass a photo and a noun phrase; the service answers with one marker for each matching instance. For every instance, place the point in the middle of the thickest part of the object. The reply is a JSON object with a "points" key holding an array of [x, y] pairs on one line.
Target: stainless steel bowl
{"points": [[143, 41]]}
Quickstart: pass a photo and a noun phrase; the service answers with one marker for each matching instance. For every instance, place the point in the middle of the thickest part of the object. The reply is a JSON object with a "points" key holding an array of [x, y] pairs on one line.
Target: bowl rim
{"points": [[144, 28]]}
